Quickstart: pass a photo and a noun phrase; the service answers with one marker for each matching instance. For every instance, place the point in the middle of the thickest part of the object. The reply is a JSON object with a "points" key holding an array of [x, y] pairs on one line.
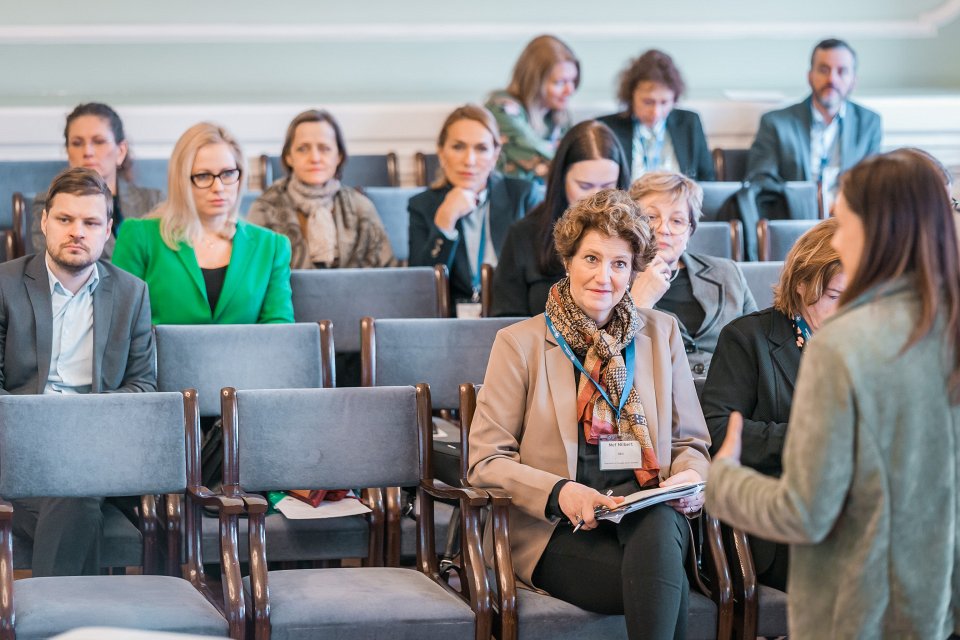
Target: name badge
{"points": [[468, 309], [620, 454]]}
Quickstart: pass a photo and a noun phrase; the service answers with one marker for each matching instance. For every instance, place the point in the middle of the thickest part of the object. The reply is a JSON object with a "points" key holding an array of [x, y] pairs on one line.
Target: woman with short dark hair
{"points": [[655, 135]]}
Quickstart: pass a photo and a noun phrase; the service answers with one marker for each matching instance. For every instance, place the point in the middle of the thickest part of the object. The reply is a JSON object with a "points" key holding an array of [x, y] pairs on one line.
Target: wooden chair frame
{"points": [[267, 178], [476, 591], [505, 613], [21, 225]]}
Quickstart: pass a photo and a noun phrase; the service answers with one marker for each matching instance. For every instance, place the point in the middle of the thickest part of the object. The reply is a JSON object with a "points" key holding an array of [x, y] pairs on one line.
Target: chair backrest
{"points": [[118, 444], [802, 196], [426, 167], [714, 195], [249, 356], [22, 223], [444, 353], [330, 439], [151, 173], [775, 238], [379, 170], [391, 205], [344, 296], [247, 200], [730, 164], [26, 176], [761, 278], [8, 248], [720, 239]]}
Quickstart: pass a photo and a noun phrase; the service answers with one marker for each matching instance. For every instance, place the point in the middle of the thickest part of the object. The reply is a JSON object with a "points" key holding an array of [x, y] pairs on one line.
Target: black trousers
{"points": [[634, 568], [65, 533]]}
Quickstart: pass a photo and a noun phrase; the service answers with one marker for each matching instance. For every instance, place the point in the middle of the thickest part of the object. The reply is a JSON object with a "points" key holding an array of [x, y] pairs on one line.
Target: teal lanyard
{"points": [[630, 363], [484, 211]]}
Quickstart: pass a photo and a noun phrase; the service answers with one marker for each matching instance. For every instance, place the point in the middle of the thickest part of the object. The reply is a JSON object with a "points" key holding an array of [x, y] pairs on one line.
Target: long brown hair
{"points": [[909, 229], [534, 65]]}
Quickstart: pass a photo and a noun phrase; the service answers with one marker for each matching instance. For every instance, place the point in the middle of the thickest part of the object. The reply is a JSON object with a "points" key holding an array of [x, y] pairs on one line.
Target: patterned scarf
{"points": [[602, 350], [316, 204]]}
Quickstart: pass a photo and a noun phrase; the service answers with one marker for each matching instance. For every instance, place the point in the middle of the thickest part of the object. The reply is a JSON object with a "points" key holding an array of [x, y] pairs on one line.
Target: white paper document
{"points": [[299, 510], [650, 497]]}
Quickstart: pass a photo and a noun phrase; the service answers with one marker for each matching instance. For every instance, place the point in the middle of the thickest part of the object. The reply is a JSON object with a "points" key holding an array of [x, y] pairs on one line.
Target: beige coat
{"points": [[524, 434], [870, 494]]}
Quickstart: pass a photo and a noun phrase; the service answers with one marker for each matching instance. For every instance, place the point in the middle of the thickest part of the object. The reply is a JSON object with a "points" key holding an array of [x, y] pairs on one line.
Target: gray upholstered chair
{"points": [[775, 238], [426, 166], [391, 205], [443, 353], [761, 277], [715, 194], [720, 239], [373, 437], [522, 613], [730, 164], [105, 445], [359, 171], [246, 201], [27, 176], [344, 296], [274, 356]]}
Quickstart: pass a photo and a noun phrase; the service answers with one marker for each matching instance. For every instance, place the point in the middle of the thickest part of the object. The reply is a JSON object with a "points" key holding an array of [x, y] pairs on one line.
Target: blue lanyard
{"points": [[484, 210], [825, 153], [651, 161], [630, 363]]}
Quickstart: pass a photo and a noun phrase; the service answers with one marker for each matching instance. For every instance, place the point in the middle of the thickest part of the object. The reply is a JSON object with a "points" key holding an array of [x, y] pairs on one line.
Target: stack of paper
{"points": [[650, 497]]}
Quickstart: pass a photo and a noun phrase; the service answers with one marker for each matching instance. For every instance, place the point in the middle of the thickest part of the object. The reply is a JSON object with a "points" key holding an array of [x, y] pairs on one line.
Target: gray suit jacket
{"points": [[123, 348], [135, 202], [869, 497], [721, 290], [782, 146]]}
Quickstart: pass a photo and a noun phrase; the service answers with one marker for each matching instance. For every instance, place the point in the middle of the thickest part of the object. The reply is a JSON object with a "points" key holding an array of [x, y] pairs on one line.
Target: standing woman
{"points": [[656, 135], [95, 139], [869, 496], [754, 369], [532, 110], [202, 264], [329, 225], [462, 220], [588, 160]]}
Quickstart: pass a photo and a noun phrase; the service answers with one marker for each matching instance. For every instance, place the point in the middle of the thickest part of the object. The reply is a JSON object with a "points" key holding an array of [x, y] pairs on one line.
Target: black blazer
{"points": [[510, 199], [520, 288], [753, 371], [686, 135]]}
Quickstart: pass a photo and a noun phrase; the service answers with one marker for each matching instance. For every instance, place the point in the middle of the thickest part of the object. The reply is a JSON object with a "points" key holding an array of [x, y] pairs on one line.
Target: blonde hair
{"points": [[534, 65], [179, 221], [812, 262], [676, 185], [469, 111]]}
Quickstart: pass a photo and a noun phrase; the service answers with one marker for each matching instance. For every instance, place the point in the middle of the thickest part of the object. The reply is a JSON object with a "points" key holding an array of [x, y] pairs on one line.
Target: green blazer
{"points": [[256, 289]]}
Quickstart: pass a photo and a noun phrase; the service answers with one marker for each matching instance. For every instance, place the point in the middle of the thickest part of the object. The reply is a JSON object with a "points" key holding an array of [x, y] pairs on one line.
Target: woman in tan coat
{"points": [[557, 391]]}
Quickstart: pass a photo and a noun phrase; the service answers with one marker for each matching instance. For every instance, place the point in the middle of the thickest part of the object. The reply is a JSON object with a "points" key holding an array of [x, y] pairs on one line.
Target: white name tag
{"points": [[620, 454], [468, 309]]}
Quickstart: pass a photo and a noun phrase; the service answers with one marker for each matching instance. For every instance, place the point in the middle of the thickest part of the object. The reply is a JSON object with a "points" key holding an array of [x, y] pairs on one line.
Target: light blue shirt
{"points": [[652, 150], [825, 153], [472, 224], [71, 353]]}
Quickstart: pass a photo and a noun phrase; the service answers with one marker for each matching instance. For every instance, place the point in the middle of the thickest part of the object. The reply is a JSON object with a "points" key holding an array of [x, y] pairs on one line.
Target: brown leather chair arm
{"points": [[473, 497]]}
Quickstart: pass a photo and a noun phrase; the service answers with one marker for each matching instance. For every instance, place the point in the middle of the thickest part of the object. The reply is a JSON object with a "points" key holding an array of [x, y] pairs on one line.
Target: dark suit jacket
{"points": [[123, 348], [510, 199], [686, 135], [753, 371], [722, 292], [782, 145], [519, 287], [135, 202]]}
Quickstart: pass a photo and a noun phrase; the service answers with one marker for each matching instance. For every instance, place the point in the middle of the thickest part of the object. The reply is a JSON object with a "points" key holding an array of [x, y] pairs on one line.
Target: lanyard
{"points": [[484, 211], [630, 363], [651, 160], [826, 152]]}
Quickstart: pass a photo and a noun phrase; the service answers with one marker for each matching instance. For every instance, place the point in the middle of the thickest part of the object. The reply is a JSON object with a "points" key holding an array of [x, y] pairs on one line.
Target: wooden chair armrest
{"points": [[745, 584], [716, 570], [436, 489], [207, 498], [506, 600], [373, 498], [149, 524], [499, 497], [6, 510]]}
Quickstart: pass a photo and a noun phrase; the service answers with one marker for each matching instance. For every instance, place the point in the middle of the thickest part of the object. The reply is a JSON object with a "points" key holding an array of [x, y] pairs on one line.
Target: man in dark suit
{"points": [[70, 324], [822, 136]]}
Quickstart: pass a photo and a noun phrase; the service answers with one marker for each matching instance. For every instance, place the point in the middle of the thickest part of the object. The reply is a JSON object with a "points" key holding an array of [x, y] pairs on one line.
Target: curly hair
{"points": [[652, 66], [612, 213]]}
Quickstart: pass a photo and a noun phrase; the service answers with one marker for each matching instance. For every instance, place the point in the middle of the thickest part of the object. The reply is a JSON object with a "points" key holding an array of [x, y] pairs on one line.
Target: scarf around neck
{"points": [[602, 351], [315, 202]]}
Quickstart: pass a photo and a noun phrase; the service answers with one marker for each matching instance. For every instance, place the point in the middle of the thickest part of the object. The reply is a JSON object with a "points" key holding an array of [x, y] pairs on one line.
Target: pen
{"points": [[580, 520]]}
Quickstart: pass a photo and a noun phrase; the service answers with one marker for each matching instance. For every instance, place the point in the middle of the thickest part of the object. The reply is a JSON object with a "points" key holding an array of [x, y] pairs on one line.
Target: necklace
{"points": [[674, 276]]}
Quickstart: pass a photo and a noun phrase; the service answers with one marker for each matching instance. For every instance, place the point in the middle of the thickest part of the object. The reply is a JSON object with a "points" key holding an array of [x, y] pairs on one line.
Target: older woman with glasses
{"points": [[203, 265], [702, 292]]}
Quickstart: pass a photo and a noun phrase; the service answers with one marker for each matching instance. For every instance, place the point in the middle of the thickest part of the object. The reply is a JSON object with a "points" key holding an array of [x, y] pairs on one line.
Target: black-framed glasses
{"points": [[205, 179]]}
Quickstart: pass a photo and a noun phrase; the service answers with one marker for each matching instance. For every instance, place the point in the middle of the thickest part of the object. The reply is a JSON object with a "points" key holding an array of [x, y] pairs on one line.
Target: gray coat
{"points": [[869, 497], [135, 202], [782, 145], [721, 290], [123, 347]]}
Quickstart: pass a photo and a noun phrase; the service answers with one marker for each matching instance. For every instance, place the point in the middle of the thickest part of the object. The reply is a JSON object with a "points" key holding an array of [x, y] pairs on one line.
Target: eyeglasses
{"points": [[205, 180], [676, 225]]}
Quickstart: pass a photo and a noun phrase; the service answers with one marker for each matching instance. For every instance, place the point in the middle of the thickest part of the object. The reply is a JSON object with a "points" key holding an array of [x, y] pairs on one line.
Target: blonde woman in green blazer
{"points": [[869, 499], [201, 264]]}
